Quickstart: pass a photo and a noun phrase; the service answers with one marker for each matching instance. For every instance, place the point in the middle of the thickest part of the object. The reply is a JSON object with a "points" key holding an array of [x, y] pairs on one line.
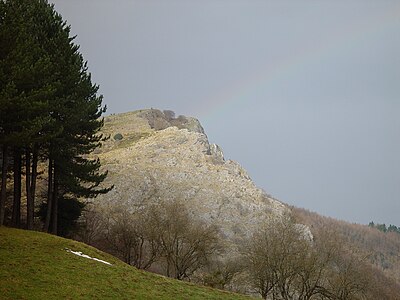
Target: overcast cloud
{"points": [[304, 94]]}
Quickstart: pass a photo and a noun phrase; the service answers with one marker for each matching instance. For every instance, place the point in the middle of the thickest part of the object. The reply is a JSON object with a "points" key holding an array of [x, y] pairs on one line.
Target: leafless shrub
{"points": [[164, 232], [282, 264], [132, 236], [187, 243]]}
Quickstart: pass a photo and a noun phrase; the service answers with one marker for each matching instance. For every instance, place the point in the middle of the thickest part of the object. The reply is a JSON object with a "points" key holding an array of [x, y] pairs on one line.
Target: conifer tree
{"points": [[23, 92], [77, 109], [49, 108]]}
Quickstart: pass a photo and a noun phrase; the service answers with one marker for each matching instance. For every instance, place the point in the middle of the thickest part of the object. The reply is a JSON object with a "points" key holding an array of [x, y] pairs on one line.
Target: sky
{"points": [[304, 94]]}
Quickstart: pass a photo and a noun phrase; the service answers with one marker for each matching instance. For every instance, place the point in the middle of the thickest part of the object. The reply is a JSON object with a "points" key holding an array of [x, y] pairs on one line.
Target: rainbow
{"points": [[266, 75]]}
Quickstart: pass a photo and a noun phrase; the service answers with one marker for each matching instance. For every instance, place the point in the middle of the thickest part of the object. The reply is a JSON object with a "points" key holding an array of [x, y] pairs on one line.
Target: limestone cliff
{"points": [[154, 156]]}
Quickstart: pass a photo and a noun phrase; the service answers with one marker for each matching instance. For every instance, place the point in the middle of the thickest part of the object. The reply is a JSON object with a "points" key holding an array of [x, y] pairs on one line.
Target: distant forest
{"points": [[384, 228]]}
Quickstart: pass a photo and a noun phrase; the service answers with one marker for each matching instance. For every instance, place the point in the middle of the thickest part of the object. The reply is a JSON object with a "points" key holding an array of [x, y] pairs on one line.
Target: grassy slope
{"points": [[35, 265]]}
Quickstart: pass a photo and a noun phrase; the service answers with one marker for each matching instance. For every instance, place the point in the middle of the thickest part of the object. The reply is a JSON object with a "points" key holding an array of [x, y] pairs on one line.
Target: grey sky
{"points": [[304, 94]]}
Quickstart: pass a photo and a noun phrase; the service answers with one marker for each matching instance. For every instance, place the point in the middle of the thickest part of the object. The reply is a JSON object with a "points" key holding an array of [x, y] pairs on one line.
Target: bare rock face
{"points": [[159, 120], [161, 157]]}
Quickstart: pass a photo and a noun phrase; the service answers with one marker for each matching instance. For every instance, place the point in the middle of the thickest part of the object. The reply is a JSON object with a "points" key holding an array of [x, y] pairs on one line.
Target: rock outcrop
{"points": [[161, 157]]}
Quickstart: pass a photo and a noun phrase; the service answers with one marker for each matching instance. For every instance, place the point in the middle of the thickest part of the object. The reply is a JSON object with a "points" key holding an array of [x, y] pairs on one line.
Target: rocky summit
{"points": [[152, 156]]}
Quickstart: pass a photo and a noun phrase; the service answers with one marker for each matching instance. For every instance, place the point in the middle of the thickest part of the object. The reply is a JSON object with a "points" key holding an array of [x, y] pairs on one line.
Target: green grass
{"points": [[131, 139], [35, 265]]}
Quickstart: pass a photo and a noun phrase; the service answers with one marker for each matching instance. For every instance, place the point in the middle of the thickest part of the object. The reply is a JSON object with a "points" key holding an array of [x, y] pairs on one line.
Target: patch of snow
{"points": [[87, 256]]}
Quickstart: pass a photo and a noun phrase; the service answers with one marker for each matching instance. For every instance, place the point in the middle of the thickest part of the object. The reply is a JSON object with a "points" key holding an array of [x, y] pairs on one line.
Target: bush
{"points": [[118, 137]]}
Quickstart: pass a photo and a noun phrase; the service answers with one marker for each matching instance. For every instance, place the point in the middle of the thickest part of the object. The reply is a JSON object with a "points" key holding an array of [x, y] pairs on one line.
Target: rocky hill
{"points": [[153, 155]]}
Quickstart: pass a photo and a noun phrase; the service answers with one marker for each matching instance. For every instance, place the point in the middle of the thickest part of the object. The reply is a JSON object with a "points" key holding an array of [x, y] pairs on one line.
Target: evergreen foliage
{"points": [[118, 137], [49, 109], [69, 211], [384, 228]]}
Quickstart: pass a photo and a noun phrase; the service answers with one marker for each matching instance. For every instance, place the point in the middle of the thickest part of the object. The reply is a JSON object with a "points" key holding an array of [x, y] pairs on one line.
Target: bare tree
{"points": [[284, 264], [131, 235], [187, 243], [220, 273], [349, 278], [273, 255], [91, 225]]}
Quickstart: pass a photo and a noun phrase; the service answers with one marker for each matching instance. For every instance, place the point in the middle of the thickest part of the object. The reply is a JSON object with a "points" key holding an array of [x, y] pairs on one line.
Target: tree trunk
{"points": [[49, 196], [168, 268], [3, 196], [29, 204], [16, 212], [33, 180], [54, 214], [31, 186]]}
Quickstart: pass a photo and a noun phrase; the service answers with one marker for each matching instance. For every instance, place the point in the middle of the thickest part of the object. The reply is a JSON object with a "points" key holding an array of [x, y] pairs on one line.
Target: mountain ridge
{"points": [[153, 156], [161, 157]]}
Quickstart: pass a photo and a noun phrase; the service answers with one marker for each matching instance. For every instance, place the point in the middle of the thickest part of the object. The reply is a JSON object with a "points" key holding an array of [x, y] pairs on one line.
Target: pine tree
{"points": [[23, 93], [49, 108], [77, 109]]}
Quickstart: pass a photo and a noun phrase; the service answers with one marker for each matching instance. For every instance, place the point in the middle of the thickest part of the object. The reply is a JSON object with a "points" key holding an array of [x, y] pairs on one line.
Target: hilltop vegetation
{"points": [[384, 228], [37, 266]]}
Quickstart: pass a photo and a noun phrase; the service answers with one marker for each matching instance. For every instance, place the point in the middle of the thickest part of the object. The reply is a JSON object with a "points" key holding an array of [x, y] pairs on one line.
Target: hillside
{"points": [[380, 249], [153, 156], [155, 159], [35, 265]]}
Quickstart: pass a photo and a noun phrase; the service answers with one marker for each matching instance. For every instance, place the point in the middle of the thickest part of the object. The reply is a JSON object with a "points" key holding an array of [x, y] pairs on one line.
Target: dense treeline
{"points": [[49, 113], [379, 250], [384, 228]]}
